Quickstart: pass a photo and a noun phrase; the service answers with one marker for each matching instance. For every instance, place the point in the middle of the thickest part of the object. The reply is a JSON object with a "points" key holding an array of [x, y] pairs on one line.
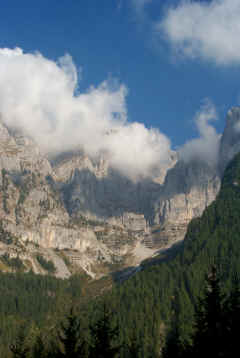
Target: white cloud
{"points": [[206, 147], [39, 96], [139, 148], [206, 30]]}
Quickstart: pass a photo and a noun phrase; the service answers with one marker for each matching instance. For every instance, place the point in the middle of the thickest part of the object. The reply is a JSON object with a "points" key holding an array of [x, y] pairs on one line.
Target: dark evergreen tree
{"points": [[216, 325], [174, 347], [232, 321], [133, 349], [19, 348], [72, 343], [39, 350], [103, 337], [209, 329]]}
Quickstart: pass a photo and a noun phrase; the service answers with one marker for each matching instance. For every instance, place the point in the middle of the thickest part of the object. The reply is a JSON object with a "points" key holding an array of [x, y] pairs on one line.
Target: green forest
{"points": [[159, 311]]}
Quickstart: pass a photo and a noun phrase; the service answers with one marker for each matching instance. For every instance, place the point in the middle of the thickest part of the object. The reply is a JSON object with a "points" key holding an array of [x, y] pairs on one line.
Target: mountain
{"points": [[151, 303], [163, 296], [76, 213], [230, 144]]}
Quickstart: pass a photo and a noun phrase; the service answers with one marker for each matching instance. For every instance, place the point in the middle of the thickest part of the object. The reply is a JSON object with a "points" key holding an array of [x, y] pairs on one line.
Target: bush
{"points": [[46, 264]]}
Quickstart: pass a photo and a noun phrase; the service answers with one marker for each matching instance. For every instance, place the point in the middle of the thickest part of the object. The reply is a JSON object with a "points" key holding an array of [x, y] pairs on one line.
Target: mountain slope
{"points": [[81, 214], [165, 293], [33, 211]]}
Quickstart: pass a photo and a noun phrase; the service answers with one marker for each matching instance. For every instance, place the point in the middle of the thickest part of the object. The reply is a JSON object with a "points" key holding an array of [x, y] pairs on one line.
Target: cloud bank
{"points": [[42, 98], [205, 30], [206, 147]]}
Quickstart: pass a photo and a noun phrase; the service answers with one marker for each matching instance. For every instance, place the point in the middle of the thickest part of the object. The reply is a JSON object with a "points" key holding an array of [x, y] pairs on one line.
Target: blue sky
{"points": [[128, 41]]}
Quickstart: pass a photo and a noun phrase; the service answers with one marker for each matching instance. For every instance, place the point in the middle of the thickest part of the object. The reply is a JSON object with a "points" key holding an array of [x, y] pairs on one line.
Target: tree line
{"points": [[155, 305], [215, 332]]}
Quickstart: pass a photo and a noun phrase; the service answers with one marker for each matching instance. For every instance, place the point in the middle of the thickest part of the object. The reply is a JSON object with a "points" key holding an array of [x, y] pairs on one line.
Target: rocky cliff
{"points": [[230, 143], [78, 213], [187, 191]]}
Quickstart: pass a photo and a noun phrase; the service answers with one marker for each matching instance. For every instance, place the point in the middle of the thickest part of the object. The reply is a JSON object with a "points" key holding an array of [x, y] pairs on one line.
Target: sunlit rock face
{"points": [[188, 189], [82, 214]]}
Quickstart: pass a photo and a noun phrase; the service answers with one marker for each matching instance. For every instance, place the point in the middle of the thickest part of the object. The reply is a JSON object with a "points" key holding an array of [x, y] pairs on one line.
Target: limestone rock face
{"points": [[190, 187], [19, 153], [230, 141], [32, 210], [135, 222], [160, 208], [188, 190], [91, 188], [81, 214]]}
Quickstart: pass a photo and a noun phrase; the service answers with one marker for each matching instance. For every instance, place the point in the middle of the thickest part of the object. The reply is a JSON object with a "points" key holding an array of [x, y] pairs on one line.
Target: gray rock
{"points": [[230, 143], [76, 209]]}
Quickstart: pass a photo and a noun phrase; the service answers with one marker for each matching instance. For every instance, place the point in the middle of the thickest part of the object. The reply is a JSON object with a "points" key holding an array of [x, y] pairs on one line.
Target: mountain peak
{"points": [[230, 141], [233, 115]]}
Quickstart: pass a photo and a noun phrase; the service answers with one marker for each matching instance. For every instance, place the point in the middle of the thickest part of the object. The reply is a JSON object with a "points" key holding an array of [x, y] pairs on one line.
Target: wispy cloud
{"points": [[206, 146], [205, 30]]}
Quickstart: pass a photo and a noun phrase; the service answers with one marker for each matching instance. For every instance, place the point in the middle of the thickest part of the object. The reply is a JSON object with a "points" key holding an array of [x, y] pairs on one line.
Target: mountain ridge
{"points": [[94, 216]]}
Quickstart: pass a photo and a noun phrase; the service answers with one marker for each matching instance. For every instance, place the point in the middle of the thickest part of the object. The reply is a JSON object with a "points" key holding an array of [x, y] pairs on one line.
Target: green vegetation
{"points": [[166, 292], [157, 304], [215, 325], [46, 264], [71, 339], [80, 220], [12, 262], [25, 187], [5, 236], [41, 303], [97, 335], [25, 184]]}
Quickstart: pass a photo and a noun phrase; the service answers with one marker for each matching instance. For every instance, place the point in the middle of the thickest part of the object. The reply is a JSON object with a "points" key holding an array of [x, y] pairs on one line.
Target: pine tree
{"points": [[133, 349], [72, 344], [232, 320], [19, 348], [39, 350], [173, 347], [209, 335], [103, 337]]}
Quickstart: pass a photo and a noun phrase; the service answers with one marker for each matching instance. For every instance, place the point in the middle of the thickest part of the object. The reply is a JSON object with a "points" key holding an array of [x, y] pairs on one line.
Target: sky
{"points": [[120, 76]]}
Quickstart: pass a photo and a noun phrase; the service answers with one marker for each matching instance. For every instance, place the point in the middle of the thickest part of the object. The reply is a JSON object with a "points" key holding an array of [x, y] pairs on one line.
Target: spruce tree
{"points": [[209, 337], [39, 350], [19, 348], [173, 346], [103, 337], [72, 344], [232, 320], [209, 334]]}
